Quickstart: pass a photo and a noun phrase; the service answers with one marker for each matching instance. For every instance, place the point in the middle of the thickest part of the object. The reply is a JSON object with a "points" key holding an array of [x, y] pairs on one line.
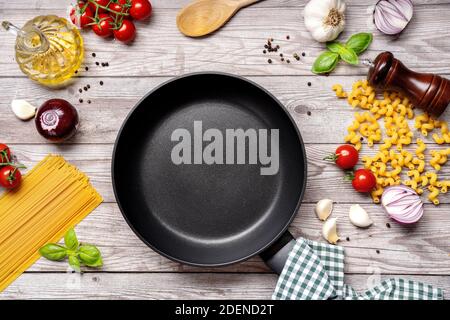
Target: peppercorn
{"points": [[269, 60]]}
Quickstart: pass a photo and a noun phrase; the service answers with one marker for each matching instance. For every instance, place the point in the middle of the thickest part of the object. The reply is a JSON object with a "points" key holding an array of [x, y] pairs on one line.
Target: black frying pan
{"points": [[208, 214]]}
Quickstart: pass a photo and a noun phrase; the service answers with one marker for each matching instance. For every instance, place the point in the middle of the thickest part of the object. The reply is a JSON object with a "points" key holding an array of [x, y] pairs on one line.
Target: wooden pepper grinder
{"points": [[427, 91]]}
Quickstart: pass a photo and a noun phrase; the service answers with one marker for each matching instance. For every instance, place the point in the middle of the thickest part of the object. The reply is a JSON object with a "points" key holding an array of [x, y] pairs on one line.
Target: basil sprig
{"points": [[355, 45], [78, 254]]}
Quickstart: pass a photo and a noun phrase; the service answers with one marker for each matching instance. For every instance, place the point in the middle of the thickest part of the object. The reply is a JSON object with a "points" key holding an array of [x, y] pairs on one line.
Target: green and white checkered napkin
{"points": [[315, 271]]}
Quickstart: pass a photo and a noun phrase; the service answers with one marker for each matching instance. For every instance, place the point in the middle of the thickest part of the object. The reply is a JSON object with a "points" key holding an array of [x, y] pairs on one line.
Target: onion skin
{"points": [[57, 120], [402, 204]]}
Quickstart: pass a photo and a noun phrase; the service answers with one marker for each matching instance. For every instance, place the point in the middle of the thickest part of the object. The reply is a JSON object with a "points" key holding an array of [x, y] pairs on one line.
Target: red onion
{"points": [[57, 120], [392, 16], [402, 204]]}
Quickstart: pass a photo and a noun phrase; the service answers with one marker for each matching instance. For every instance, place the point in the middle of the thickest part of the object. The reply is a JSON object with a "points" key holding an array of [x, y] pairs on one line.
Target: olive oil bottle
{"points": [[49, 49]]}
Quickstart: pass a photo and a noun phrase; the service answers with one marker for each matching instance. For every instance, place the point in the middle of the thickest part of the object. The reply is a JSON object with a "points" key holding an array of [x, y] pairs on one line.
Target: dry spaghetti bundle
{"points": [[53, 197]]}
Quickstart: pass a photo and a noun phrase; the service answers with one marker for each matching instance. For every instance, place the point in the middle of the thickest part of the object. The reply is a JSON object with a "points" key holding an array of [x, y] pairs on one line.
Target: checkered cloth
{"points": [[315, 271]]}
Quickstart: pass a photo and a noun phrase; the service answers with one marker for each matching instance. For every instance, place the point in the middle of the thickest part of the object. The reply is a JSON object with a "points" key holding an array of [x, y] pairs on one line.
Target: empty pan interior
{"points": [[205, 214]]}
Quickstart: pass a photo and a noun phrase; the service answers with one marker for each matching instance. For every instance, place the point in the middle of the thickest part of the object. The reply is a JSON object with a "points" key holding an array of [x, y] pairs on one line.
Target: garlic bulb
{"points": [[323, 209], [23, 110], [359, 217], [325, 19], [329, 231]]}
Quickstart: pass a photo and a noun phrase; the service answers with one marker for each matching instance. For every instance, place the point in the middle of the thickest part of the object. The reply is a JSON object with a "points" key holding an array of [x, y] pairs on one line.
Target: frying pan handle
{"points": [[276, 255]]}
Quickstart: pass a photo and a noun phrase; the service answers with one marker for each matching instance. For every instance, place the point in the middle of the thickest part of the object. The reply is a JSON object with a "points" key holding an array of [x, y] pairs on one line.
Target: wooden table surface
{"points": [[133, 271]]}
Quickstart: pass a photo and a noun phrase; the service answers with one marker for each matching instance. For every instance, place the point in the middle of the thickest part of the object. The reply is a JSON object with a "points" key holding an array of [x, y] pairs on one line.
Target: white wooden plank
{"points": [[425, 243], [160, 49], [166, 286], [101, 120], [175, 4], [324, 178]]}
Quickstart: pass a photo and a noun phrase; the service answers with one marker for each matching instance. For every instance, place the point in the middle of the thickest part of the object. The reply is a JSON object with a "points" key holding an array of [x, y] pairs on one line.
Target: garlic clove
{"points": [[23, 110], [359, 217], [323, 209], [329, 231]]}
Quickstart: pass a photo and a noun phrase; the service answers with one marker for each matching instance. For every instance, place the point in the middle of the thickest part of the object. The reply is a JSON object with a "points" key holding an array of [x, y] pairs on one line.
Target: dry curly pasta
{"points": [[391, 158]]}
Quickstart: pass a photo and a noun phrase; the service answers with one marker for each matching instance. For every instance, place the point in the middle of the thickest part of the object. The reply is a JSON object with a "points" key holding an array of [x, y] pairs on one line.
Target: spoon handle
{"points": [[244, 3]]}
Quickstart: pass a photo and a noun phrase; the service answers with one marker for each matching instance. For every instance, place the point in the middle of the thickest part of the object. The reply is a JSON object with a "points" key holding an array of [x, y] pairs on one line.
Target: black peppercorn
{"points": [[87, 69], [81, 100], [309, 84], [93, 54], [101, 83], [269, 60], [308, 113]]}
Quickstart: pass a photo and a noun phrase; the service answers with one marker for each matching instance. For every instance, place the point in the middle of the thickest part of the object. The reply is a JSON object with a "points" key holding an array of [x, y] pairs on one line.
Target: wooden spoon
{"points": [[202, 17]]}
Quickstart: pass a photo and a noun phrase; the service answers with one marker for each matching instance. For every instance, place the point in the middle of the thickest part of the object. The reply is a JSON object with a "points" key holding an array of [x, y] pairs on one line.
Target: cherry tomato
{"points": [[364, 180], [103, 3], [103, 28], [81, 15], [5, 153], [140, 9], [345, 157], [10, 177], [116, 7], [127, 31]]}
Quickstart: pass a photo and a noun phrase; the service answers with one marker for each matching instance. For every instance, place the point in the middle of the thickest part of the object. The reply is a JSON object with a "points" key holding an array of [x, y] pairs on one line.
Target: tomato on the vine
{"points": [[104, 25], [10, 177], [140, 9], [116, 8], [5, 153], [103, 3], [81, 15], [345, 157], [364, 180], [126, 32]]}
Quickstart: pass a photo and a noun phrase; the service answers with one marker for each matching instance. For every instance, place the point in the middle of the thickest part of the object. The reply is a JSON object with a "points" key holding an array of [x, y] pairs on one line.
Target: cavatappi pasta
{"points": [[53, 197], [393, 164]]}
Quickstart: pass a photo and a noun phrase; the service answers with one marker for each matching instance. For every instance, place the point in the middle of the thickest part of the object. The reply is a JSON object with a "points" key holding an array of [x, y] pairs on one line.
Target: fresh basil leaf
{"points": [[90, 255], [326, 62], [335, 46], [70, 239], [54, 252], [359, 42], [348, 55], [74, 263]]}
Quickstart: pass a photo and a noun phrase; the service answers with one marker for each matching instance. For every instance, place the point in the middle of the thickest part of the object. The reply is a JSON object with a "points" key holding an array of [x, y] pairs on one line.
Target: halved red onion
{"points": [[402, 204], [392, 16]]}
